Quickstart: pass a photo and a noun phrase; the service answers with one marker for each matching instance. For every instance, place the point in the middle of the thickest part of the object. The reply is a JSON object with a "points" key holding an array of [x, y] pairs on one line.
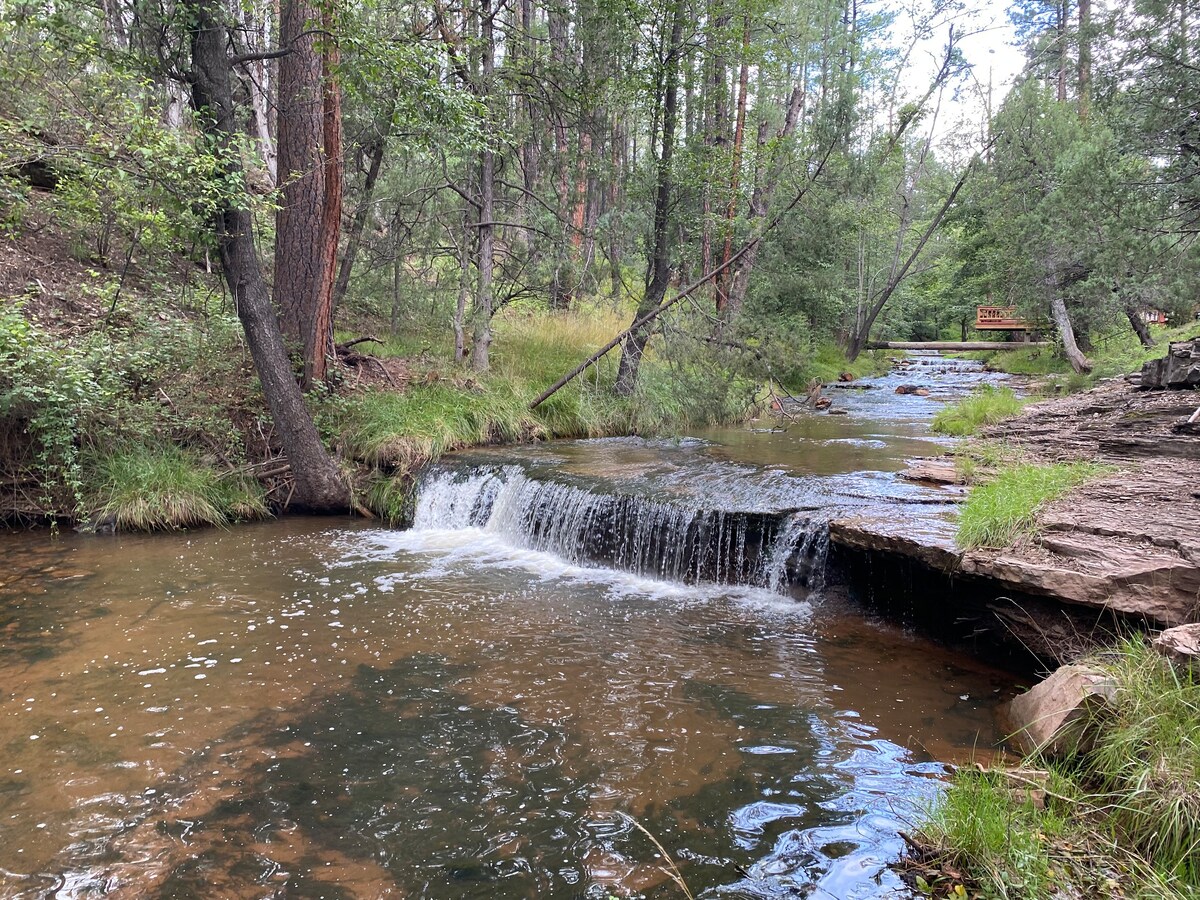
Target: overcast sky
{"points": [[986, 43]]}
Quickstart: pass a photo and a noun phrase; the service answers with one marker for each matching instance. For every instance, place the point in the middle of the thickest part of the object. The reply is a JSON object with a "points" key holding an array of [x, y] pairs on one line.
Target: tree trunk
{"points": [[308, 220], [1085, 57], [858, 341], [767, 176], [1140, 328], [359, 223], [735, 176], [1058, 311], [318, 343], [481, 311], [660, 264], [319, 486]]}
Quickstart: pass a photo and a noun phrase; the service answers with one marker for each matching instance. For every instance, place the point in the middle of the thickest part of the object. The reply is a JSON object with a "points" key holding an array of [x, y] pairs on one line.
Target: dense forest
{"points": [[410, 219]]}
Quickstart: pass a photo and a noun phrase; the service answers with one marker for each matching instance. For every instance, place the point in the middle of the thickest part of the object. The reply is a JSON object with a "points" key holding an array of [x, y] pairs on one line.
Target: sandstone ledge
{"points": [[1128, 544]]}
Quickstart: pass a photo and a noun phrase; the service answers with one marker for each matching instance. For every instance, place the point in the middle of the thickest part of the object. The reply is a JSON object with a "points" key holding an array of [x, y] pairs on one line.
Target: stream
{"points": [[583, 654]]}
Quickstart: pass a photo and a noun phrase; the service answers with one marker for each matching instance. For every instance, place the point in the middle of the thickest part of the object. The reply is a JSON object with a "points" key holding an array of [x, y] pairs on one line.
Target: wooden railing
{"points": [[999, 318]]}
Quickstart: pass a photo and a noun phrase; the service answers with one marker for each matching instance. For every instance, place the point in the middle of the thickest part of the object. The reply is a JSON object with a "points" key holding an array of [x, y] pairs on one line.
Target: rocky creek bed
{"points": [[1122, 551]]}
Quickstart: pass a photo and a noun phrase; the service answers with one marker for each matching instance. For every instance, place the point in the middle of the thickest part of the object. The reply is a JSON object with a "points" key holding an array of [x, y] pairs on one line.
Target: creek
{"points": [[575, 642]]}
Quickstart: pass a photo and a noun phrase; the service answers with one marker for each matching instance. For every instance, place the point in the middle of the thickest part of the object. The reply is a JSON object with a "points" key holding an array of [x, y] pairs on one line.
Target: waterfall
{"points": [[659, 539]]}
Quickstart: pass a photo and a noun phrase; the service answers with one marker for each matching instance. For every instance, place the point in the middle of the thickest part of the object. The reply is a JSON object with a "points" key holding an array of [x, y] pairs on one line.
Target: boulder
{"points": [[823, 403], [1058, 716], [1179, 369], [846, 376], [1181, 645], [908, 388]]}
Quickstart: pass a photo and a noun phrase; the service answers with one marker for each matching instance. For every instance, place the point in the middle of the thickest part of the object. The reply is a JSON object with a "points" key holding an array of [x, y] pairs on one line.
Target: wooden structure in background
{"points": [[1000, 318]]}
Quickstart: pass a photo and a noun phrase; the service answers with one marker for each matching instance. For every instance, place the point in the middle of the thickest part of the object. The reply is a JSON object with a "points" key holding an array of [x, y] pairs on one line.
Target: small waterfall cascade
{"points": [[654, 538]]}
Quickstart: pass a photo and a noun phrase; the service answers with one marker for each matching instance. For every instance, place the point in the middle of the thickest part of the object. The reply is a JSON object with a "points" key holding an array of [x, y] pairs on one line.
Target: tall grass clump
{"points": [[980, 827], [166, 488], [986, 406], [1146, 760], [1005, 509], [404, 431]]}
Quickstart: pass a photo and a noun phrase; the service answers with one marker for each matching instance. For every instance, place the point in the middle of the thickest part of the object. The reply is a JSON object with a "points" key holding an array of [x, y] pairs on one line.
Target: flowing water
{"points": [[575, 642]]}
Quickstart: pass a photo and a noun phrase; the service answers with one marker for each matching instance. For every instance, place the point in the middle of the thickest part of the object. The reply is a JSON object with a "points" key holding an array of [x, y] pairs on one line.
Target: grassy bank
{"points": [[1118, 820], [986, 406], [1114, 354], [1003, 510], [445, 408]]}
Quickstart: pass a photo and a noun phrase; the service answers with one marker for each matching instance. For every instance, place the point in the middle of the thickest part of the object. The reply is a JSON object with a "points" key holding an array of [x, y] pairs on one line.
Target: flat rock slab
{"points": [[1114, 574], [932, 470], [1128, 543]]}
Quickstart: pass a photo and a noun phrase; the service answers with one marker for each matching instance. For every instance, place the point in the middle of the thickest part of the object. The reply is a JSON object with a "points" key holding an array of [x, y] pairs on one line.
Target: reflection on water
{"points": [[478, 708], [305, 710]]}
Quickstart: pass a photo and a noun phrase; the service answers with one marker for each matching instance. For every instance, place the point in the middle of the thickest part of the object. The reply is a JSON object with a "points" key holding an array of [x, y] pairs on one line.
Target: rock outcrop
{"points": [[1128, 543], [1181, 645], [1179, 369]]}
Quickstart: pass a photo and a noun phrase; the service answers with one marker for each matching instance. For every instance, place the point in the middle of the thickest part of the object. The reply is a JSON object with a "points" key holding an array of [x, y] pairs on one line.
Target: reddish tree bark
{"points": [[319, 485], [310, 181]]}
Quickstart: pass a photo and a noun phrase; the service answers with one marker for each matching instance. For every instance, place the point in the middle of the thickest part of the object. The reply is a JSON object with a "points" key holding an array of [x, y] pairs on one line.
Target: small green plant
{"points": [[1005, 509], [166, 488], [986, 406], [980, 827]]}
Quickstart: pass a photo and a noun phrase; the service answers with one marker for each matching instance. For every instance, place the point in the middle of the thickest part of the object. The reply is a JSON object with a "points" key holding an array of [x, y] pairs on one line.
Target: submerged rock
{"points": [[1057, 716]]}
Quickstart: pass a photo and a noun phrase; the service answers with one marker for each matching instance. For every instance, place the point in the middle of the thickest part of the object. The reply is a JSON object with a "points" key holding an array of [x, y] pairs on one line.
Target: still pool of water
{"points": [[307, 709]]}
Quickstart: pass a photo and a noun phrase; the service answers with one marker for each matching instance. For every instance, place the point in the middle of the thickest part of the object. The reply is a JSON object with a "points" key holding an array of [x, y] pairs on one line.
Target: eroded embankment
{"points": [[1123, 550]]}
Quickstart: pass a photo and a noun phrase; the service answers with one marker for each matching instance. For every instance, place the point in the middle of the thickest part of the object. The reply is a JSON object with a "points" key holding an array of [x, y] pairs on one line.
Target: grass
{"points": [[1146, 762], [1115, 353], [828, 360], [1121, 820], [1004, 510], [980, 827], [166, 488], [450, 408], [986, 406]]}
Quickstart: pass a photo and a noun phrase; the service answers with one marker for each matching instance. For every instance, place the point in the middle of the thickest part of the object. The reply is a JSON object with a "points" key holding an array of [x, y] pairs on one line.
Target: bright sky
{"points": [[985, 38]]}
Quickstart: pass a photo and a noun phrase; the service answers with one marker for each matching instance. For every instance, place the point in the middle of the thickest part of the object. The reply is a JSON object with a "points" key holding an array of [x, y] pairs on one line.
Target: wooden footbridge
{"points": [[987, 318]]}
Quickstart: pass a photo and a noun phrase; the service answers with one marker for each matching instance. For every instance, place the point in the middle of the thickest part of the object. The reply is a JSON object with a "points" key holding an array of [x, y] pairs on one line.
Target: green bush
{"points": [[47, 394]]}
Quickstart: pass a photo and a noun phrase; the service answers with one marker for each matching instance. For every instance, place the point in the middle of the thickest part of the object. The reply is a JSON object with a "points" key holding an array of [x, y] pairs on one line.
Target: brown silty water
{"points": [[482, 706]]}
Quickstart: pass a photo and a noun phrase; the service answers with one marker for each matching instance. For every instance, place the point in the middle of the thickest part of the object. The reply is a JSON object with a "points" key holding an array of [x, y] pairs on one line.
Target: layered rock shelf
{"points": [[1122, 550]]}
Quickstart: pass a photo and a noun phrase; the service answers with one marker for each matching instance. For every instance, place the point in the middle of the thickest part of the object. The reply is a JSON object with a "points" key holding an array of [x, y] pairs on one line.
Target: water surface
{"points": [[328, 709]]}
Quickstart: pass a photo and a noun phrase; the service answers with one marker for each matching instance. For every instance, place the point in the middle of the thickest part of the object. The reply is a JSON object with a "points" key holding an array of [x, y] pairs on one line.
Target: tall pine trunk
{"points": [[319, 486], [309, 216], [660, 263]]}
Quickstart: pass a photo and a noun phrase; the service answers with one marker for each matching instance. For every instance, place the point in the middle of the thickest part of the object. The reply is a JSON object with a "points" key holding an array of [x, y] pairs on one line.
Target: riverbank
{"points": [[128, 399], [1123, 551]]}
